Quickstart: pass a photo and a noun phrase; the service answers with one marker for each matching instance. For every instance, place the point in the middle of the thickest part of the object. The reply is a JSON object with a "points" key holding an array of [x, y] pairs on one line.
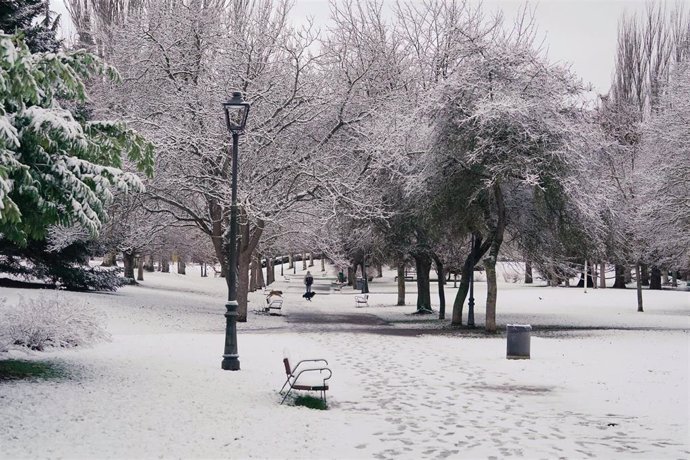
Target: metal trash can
{"points": [[359, 285], [518, 341]]}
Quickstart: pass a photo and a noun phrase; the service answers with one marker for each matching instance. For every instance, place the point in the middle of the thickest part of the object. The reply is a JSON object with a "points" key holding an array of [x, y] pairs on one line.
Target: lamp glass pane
{"points": [[236, 116]]}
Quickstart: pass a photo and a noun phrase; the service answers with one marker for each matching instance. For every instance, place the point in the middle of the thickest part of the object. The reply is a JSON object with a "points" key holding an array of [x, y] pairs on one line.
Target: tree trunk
{"points": [[365, 278], [655, 282], [282, 263], [441, 292], [423, 265], [304, 261], [270, 271], [490, 261], [250, 236], [128, 260], [204, 274], [181, 266], [323, 263], [628, 275], [474, 256], [491, 293], [664, 278], [165, 264], [401, 283], [588, 277], [243, 262], [528, 272], [644, 269], [639, 288], [140, 268], [311, 259], [291, 261], [109, 259], [260, 282], [148, 264], [218, 235], [351, 277], [620, 277], [253, 275], [602, 275], [379, 271], [674, 279]]}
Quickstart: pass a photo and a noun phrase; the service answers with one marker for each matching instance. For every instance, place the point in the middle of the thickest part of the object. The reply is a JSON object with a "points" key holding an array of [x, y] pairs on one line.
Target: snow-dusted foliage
{"points": [[55, 169], [509, 137], [49, 321], [29, 18], [664, 175]]}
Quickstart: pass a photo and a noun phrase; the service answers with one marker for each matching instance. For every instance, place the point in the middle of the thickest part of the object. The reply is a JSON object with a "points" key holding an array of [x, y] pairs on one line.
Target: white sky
{"points": [[579, 32]]}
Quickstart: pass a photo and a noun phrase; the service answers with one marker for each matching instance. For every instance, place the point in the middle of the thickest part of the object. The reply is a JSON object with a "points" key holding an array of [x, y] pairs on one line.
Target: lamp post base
{"points": [[230, 355], [230, 363]]}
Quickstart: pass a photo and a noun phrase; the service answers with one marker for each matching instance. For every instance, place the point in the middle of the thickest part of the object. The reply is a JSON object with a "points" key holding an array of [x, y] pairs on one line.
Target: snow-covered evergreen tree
{"points": [[55, 169], [34, 20]]}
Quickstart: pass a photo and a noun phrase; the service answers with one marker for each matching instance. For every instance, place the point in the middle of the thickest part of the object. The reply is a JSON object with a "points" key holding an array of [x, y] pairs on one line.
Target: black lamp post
{"points": [[470, 302], [236, 111]]}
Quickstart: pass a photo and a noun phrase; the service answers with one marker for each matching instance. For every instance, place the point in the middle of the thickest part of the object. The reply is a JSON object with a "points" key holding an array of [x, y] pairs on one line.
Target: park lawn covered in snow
{"points": [[604, 381]]}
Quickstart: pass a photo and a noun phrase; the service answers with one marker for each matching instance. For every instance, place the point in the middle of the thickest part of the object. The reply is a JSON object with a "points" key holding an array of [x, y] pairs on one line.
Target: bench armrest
{"points": [[320, 370], [296, 366]]}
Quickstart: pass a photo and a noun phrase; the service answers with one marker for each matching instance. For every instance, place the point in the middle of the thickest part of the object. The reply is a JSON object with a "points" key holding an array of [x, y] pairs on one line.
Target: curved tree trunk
{"points": [[476, 253], [490, 261]]}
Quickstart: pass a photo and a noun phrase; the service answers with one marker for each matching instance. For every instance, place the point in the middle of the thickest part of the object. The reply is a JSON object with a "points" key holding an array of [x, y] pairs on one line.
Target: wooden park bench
{"points": [[274, 305], [361, 300], [337, 286], [307, 375]]}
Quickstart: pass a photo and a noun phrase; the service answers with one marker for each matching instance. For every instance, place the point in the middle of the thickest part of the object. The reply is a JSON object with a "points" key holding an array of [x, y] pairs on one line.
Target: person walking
{"points": [[308, 281]]}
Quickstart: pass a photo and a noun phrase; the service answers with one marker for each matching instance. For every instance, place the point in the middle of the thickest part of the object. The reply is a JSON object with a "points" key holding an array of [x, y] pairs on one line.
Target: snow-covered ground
{"points": [[603, 381]]}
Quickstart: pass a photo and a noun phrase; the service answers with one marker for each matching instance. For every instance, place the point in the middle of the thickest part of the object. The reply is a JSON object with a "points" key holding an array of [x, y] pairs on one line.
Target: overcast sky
{"points": [[579, 32]]}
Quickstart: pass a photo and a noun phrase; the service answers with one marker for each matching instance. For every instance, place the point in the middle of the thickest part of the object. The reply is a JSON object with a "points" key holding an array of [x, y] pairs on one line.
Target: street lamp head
{"points": [[236, 112]]}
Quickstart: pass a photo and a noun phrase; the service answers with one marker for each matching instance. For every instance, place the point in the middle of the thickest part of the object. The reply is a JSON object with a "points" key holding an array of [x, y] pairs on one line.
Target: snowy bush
{"points": [[49, 321]]}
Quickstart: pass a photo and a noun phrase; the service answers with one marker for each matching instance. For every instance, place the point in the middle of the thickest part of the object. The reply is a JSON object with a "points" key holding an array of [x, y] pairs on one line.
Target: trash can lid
{"points": [[527, 327]]}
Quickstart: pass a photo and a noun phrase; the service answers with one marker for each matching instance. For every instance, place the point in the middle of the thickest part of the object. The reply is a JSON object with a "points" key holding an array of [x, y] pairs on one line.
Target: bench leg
{"points": [[283, 387], [286, 395]]}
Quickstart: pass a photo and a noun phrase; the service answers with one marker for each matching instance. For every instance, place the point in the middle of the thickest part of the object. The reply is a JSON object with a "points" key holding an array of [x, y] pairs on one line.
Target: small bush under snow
{"points": [[48, 321]]}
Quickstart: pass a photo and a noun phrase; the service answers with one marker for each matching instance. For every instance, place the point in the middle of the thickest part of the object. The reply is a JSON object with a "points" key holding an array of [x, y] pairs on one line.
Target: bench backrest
{"points": [[286, 362]]}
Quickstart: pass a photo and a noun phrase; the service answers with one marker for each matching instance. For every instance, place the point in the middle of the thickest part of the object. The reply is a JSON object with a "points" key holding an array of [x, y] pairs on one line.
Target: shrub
{"points": [[50, 321]]}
